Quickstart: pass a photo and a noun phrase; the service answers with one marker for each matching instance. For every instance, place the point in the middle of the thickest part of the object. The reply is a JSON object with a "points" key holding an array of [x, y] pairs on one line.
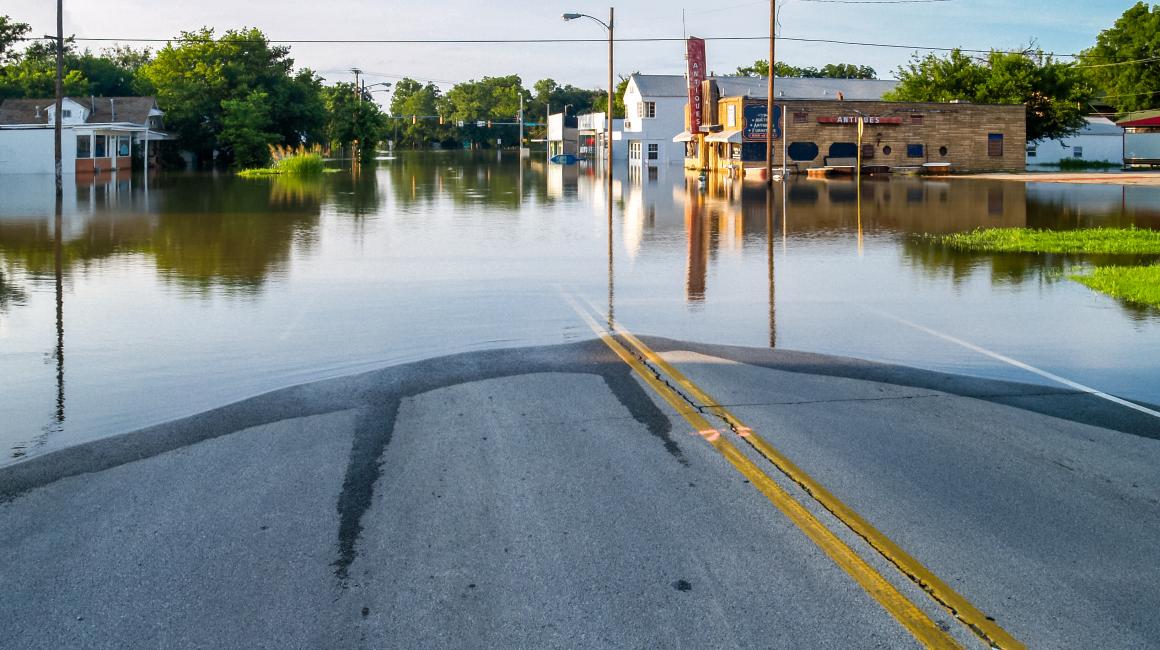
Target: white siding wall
{"points": [[30, 151], [659, 130], [1095, 147], [1143, 146]]}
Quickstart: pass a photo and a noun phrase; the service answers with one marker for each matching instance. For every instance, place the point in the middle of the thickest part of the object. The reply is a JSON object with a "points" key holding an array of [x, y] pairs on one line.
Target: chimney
{"points": [[92, 103], [38, 112], [112, 109]]}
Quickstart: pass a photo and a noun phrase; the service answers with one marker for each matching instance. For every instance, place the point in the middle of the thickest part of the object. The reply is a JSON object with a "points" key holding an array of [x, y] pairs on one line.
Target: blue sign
{"points": [[756, 124]]}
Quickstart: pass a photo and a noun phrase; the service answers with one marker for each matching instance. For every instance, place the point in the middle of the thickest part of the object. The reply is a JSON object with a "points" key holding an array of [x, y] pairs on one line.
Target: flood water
{"points": [[151, 301]]}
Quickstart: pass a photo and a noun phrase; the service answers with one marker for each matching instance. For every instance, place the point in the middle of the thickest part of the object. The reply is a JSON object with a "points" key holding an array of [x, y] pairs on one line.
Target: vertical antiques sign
{"points": [[695, 54]]}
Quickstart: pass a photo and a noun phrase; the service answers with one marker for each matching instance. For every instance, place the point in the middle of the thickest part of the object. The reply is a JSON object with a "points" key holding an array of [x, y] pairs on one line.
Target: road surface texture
{"points": [[548, 497]]}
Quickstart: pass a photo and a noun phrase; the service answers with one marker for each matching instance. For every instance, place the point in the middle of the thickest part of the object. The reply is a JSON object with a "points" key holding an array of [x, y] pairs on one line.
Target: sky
{"points": [[1065, 26]]}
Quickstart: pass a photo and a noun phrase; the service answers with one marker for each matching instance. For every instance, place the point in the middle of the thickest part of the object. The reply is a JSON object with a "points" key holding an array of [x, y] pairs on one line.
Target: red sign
{"points": [[853, 119], [695, 53]]}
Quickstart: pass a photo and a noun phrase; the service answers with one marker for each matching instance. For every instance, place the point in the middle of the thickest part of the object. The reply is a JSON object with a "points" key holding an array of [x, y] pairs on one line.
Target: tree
{"points": [[1055, 93], [489, 99], [1135, 37], [351, 116], [194, 77], [11, 33], [32, 73], [413, 104], [760, 68], [245, 135]]}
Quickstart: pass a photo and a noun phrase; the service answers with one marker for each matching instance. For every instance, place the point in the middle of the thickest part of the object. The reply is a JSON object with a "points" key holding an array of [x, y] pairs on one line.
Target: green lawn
{"points": [[1091, 241], [1139, 284]]}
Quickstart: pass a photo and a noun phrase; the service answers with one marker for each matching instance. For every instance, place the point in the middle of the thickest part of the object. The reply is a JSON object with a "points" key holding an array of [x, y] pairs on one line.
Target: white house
{"points": [[99, 133], [654, 107], [1100, 140], [654, 111]]}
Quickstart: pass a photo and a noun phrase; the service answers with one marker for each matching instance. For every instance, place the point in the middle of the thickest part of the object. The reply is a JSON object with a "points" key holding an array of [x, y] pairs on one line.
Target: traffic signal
{"points": [[489, 124], [414, 119], [440, 119]]}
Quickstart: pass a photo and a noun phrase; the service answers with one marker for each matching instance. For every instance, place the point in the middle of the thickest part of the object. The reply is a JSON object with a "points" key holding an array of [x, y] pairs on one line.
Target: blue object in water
{"points": [[564, 159]]}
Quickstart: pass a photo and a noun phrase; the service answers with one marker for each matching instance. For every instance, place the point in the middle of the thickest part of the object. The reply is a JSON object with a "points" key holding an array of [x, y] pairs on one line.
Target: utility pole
{"points": [[521, 147], [608, 118], [769, 117], [59, 97]]}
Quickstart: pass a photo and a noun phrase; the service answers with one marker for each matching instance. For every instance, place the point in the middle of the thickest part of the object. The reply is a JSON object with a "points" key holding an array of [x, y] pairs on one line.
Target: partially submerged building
{"points": [[816, 125], [1100, 140], [1142, 138], [100, 134]]}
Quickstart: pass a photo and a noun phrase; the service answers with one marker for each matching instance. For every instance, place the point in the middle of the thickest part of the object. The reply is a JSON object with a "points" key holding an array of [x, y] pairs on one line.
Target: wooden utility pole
{"points": [[769, 117], [611, 89], [59, 96]]}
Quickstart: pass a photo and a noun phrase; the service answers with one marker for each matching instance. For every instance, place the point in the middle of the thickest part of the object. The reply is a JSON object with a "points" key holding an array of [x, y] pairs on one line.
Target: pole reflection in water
{"points": [[611, 314], [858, 201], [698, 251], [769, 255]]}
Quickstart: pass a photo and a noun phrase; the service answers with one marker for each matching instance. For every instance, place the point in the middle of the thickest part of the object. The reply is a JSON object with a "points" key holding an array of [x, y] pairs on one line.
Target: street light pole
{"points": [[608, 116]]}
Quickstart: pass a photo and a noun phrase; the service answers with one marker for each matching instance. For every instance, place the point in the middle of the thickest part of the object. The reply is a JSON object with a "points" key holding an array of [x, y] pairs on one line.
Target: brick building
{"points": [[824, 132]]}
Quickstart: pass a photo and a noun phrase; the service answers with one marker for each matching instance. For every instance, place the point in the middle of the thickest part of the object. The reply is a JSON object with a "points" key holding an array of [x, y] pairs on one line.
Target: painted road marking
{"points": [[902, 609], [1015, 362], [955, 604]]}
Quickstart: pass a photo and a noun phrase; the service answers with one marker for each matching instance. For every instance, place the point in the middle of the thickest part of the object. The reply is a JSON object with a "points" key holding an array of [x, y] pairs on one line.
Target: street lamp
{"points": [[608, 117]]}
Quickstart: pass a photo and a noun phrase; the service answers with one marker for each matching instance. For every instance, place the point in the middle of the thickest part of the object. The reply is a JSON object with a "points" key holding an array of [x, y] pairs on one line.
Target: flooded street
{"points": [[160, 300]]}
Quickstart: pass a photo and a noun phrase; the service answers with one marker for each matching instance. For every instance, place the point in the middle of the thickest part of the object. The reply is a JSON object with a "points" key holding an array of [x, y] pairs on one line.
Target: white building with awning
{"points": [[99, 134]]}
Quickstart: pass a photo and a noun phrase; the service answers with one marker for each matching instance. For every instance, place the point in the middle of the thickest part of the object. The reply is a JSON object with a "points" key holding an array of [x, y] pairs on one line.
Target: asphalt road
{"points": [[547, 497]]}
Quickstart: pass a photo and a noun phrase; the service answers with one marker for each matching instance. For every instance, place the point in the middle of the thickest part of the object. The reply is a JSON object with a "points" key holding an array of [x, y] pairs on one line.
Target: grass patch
{"points": [[1138, 284], [308, 164], [1074, 164], [260, 172], [1092, 241]]}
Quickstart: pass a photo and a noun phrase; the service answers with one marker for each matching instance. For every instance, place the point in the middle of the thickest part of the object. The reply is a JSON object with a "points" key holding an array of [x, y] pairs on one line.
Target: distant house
{"points": [[654, 107], [1100, 140], [99, 133]]}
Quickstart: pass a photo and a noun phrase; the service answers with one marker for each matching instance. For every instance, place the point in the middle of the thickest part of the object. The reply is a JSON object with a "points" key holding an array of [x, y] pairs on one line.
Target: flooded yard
{"points": [[150, 301]]}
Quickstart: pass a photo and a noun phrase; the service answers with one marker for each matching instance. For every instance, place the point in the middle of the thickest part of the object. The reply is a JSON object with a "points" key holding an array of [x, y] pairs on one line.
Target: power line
{"points": [[556, 41]]}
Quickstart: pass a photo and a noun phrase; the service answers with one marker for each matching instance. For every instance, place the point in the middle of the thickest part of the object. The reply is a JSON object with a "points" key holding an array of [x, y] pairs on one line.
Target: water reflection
{"points": [[197, 290]]}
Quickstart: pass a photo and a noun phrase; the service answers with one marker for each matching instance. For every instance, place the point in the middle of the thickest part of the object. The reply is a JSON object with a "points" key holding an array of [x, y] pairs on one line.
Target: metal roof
{"points": [[1145, 118], [674, 85], [1100, 126]]}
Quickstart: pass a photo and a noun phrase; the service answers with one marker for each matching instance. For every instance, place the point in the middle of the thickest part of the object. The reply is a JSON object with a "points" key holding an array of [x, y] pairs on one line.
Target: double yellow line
{"points": [[902, 609]]}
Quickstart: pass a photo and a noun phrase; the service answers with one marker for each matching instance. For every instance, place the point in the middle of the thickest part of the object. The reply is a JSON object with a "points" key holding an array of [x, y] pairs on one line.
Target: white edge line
{"points": [[1015, 362]]}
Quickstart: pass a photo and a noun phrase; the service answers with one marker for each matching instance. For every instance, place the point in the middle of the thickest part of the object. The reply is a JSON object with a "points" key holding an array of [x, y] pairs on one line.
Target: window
{"points": [[995, 145], [1032, 151], [916, 119], [801, 118], [867, 151], [731, 115], [1077, 152], [915, 151], [66, 112], [691, 150], [84, 147], [122, 145], [650, 109], [843, 150], [802, 151], [99, 150], [654, 151]]}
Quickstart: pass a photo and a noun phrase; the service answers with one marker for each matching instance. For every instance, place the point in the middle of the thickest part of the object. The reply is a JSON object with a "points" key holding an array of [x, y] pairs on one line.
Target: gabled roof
{"points": [[134, 110], [674, 85], [1143, 118]]}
